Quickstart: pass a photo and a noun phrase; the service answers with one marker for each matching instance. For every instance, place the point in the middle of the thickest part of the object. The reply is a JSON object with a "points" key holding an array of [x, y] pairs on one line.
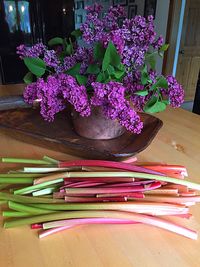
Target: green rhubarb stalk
{"points": [[28, 209], [43, 170], [25, 199], [51, 160], [3, 202], [135, 175], [32, 188], [151, 220], [3, 186], [43, 192], [140, 207], [16, 180], [9, 213], [20, 175], [30, 161]]}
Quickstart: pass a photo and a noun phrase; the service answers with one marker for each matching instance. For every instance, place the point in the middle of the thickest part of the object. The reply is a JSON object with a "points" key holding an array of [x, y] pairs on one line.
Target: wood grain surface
{"points": [[28, 125], [178, 142]]}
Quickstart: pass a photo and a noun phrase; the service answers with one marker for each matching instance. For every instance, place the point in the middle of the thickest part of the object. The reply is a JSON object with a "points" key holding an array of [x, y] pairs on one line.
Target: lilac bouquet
{"points": [[114, 70]]}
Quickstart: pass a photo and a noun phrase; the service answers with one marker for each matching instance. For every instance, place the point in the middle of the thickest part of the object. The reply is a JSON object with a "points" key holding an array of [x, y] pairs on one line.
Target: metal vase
{"points": [[96, 126]]}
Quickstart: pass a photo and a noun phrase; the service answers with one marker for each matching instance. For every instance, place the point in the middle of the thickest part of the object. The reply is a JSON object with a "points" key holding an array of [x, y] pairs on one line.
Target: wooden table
{"points": [[111, 245]]}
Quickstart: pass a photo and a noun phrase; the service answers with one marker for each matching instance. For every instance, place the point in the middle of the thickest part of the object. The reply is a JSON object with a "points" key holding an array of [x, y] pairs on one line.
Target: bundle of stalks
{"points": [[54, 196]]}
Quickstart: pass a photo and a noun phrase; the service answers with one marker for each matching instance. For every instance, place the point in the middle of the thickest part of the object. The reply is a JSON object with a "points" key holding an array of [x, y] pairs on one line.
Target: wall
{"points": [[161, 19]]}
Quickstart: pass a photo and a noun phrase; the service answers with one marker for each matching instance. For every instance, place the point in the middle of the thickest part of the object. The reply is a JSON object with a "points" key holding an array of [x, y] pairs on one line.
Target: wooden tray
{"points": [[27, 125]]}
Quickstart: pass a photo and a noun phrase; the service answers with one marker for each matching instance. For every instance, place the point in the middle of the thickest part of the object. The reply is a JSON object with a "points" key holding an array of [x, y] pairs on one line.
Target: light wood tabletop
{"points": [[178, 142]]}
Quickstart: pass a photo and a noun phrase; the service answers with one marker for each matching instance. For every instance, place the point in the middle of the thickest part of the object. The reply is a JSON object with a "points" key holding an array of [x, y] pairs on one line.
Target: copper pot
{"points": [[96, 126]]}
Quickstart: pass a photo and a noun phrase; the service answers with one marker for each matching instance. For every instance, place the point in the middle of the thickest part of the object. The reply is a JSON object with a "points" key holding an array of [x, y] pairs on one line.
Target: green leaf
{"points": [[77, 33], [56, 41], [118, 74], [144, 75], [154, 105], [166, 101], [110, 70], [69, 49], [121, 67], [82, 80], [74, 70], [99, 51], [35, 65], [28, 78], [150, 103], [141, 93], [100, 77], [164, 48], [161, 83], [93, 69], [111, 57], [150, 58]]}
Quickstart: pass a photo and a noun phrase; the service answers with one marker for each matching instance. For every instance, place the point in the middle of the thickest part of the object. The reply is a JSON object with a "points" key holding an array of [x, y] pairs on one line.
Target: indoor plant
{"points": [[114, 73]]}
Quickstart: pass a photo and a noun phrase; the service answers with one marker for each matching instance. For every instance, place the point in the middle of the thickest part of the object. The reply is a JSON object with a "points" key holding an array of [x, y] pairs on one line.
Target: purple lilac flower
{"points": [[175, 92], [117, 39], [91, 79], [138, 34], [158, 43], [51, 59], [75, 94], [132, 55], [96, 8], [111, 97], [69, 62], [130, 119], [49, 93], [110, 20], [34, 51], [92, 28], [30, 93]]}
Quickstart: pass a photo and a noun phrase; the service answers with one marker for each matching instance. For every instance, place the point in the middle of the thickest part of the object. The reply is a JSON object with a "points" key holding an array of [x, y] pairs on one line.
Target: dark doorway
{"points": [[29, 22]]}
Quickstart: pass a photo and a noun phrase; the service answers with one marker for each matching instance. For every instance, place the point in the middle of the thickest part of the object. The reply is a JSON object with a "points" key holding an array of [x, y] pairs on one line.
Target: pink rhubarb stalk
{"points": [[150, 220], [107, 164]]}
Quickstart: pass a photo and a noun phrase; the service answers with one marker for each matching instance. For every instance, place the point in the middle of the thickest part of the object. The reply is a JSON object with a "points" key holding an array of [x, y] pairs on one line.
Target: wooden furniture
{"points": [[113, 245], [29, 126], [189, 55]]}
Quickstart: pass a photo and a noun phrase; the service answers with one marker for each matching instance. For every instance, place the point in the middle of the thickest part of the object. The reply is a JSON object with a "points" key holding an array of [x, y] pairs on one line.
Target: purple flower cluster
{"points": [[111, 97], [34, 51], [75, 94], [93, 29], [132, 41], [175, 92], [55, 92], [51, 59], [119, 97], [139, 35], [82, 55]]}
